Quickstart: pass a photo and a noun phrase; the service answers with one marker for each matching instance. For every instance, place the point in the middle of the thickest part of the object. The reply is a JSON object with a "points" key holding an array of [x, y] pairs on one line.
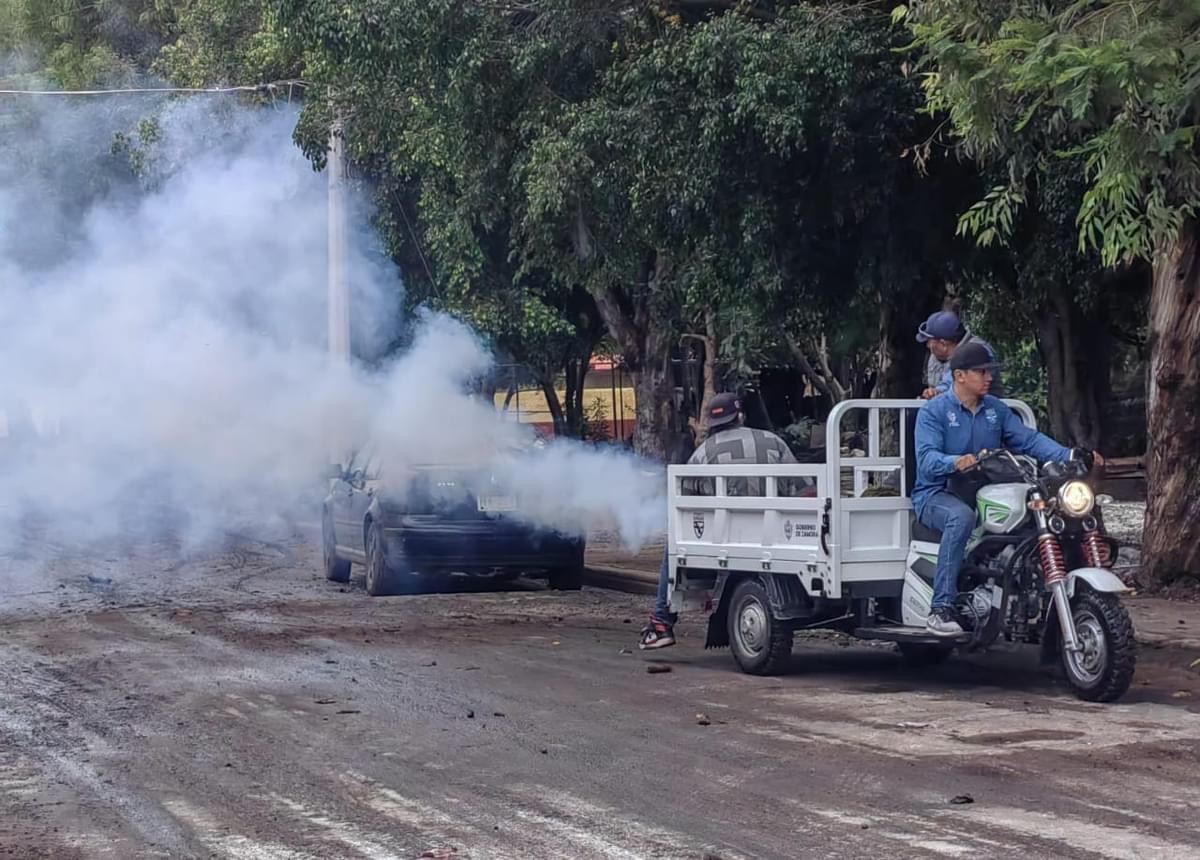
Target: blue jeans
{"points": [[950, 515], [662, 609]]}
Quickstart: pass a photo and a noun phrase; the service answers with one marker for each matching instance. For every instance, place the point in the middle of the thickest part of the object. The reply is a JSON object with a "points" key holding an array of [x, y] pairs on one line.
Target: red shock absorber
{"points": [[1096, 550], [1054, 564]]}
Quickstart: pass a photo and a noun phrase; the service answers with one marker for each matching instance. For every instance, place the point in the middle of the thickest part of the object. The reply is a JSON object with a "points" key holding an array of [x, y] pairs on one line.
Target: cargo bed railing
{"points": [[852, 528]]}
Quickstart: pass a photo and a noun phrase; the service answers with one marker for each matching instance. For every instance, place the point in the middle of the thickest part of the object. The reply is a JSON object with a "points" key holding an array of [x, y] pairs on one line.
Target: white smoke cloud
{"points": [[163, 351]]}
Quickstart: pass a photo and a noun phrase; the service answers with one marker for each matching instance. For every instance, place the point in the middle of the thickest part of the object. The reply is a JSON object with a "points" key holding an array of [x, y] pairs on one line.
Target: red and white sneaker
{"points": [[656, 634]]}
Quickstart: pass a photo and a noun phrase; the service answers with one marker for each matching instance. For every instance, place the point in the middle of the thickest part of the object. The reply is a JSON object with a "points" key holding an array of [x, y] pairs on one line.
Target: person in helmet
{"points": [[729, 441], [943, 333]]}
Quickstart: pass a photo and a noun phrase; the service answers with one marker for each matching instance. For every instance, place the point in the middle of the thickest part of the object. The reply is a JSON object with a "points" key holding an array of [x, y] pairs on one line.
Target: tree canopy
{"points": [[763, 183]]}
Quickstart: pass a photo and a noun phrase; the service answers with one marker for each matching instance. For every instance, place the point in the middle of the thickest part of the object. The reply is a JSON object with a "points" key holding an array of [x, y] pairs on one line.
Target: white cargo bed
{"points": [[840, 536]]}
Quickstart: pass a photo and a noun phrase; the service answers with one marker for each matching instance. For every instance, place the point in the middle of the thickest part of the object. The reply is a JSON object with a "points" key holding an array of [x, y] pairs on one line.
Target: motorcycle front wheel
{"points": [[1102, 669]]}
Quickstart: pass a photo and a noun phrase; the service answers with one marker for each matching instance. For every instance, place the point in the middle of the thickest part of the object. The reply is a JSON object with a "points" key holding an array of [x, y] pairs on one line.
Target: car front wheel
{"points": [[336, 569], [384, 575]]}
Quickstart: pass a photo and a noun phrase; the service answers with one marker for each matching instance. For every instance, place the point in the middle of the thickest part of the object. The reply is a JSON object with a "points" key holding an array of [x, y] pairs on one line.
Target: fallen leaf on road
{"points": [[1181, 694], [1194, 663], [555, 642], [912, 725], [440, 853], [349, 712], [100, 580], [498, 714], [624, 651], [326, 701], [962, 800], [470, 715], [703, 720], [657, 669]]}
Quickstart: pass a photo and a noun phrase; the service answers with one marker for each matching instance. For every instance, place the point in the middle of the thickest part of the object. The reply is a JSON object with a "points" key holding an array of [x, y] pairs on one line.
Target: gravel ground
{"points": [[228, 702], [1124, 522]]}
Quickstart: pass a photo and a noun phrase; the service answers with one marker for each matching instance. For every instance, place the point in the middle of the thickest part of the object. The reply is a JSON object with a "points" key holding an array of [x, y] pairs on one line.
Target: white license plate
{"points": [[497, 504]]}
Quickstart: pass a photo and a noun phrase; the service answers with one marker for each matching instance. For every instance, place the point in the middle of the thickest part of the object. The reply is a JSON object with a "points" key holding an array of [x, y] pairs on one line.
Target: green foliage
{"points": [[595, 425], [227, 42], [1113, 84], [667, 164], [79, 44]]}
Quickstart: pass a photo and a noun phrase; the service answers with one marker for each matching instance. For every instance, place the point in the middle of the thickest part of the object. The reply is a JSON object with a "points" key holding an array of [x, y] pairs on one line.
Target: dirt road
{"points": [[231, 703]]}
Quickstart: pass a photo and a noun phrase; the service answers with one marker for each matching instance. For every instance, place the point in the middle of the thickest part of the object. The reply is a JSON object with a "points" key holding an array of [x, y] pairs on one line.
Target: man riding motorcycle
{"points": [[952, 429]]}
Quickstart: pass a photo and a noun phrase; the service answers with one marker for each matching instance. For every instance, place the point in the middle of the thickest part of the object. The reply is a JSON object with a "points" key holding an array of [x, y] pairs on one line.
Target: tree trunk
{"points": [[546, 381], [575, 372], [1171, 541], [1077, 353], [645, 344], [708, 340], [508, 397], [821, 375], [901, 358]]}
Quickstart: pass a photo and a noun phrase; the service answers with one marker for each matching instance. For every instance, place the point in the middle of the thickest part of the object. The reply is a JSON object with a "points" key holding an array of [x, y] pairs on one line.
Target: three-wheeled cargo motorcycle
{"points": [[772, 550]]}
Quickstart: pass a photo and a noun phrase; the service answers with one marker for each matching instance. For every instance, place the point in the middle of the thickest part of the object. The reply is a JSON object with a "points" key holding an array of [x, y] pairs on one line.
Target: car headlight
{"points": [[1076, 498]]}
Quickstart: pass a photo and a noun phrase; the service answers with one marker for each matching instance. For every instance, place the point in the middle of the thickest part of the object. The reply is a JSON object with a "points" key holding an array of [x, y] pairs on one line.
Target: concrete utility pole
{"points": [[339, 280], [339, 283]]}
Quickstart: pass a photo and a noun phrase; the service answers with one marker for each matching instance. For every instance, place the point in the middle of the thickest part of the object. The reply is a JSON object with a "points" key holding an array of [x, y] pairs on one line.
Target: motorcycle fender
{"points": [[717, 635], [1097, 578], [785, 592]]}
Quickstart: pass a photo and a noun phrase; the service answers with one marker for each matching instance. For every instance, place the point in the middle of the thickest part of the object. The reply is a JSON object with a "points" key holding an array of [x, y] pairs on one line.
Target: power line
{"points": [[247, 88]]}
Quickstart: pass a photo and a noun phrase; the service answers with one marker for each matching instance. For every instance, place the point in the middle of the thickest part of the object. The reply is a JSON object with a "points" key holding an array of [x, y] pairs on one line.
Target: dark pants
{"points": [[951, 516]]}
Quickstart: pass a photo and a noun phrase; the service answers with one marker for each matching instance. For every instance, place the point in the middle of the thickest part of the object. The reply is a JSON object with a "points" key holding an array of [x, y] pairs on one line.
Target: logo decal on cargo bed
{"points": [[698, 524]]}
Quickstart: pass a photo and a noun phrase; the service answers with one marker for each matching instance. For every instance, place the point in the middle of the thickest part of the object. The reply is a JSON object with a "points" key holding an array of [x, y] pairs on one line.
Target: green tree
{"points": [[80, 44], [728, 171], [1115, 85], [223, 42]]}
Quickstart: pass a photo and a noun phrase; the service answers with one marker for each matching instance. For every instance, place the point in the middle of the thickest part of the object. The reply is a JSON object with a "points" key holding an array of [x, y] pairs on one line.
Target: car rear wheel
{"points": [[385, 575], [566, 578], [336, 569]]}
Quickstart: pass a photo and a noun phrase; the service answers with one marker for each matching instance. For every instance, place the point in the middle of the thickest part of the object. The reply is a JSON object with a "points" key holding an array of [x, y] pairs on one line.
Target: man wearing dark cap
{"points": [[942, 333], [952, 429], [728, 442]]}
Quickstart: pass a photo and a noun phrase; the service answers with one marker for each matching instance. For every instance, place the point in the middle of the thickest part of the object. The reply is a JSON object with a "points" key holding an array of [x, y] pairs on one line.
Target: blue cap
{"points": [[973, 355], [944, 325]]}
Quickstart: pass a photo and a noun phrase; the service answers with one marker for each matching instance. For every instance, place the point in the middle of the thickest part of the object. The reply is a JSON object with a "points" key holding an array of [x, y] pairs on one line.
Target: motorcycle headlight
{"points": [[1076, 498]]}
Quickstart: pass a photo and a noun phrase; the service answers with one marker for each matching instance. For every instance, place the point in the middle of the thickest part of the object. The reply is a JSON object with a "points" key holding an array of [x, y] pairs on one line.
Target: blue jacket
{"points": [[946, 430]]}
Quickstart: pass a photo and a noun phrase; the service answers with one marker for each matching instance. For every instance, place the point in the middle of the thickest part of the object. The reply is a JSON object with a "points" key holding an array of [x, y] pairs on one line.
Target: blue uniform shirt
{"points": [[946, 430]]}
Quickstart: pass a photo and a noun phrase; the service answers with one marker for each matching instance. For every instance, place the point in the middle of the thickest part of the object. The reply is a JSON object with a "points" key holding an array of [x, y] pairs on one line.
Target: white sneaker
{"points": [[941, 623]]}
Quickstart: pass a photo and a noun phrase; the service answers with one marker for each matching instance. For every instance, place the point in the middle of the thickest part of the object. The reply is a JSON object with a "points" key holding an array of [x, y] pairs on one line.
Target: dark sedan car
{"points": [[435, 520]]}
